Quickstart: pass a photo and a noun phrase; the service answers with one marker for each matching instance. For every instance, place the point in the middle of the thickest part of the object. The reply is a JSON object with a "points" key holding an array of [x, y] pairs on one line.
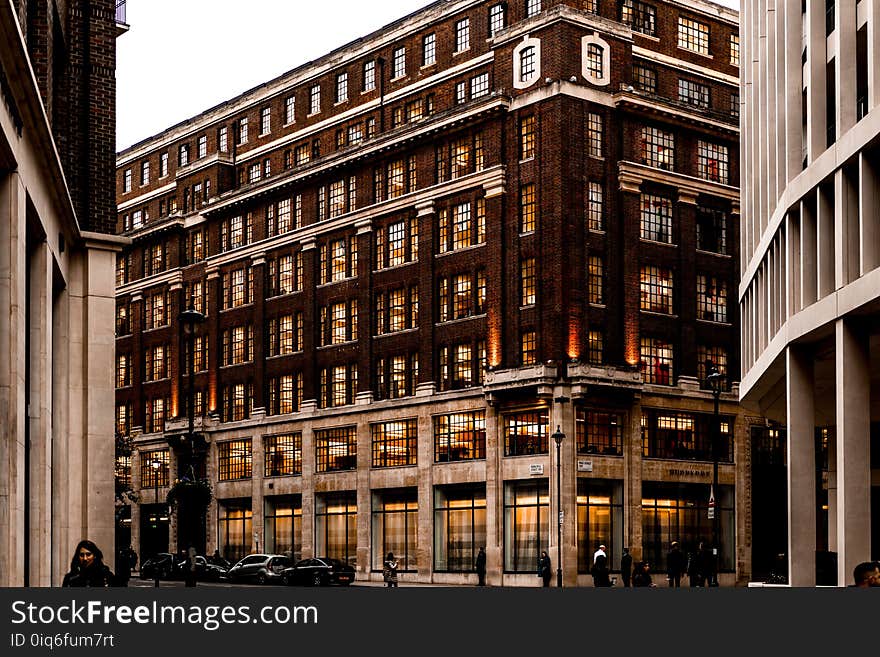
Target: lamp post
{"points": [[156, 464], [189, 319], [558, 437], [716, 381]]}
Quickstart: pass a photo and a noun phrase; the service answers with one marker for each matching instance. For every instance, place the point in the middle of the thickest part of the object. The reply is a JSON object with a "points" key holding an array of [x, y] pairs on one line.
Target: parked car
{"points": [[321, 571], [205, 570], [259, 568], [164, 562]]}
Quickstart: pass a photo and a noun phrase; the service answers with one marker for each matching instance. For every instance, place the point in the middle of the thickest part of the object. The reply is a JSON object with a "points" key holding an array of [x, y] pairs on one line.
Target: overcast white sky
{"points": [[181, 57]]}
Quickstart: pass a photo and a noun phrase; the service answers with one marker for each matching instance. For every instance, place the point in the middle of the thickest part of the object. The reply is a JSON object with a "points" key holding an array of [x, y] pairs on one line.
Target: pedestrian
{"points": [[626, 564], [87, 567], [708, 566], [123, 567], [480, 567], [695, 576], [390, 571], [867, 575], [190, 566], [132, 559], [544, 568], [642, 575], [676, 565], [600, 571]]}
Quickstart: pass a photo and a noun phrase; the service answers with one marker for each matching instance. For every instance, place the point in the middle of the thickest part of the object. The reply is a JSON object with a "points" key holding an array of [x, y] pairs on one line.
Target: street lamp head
{"points": [[558, 436], [190, 317], [156, 464], [715, 379]]}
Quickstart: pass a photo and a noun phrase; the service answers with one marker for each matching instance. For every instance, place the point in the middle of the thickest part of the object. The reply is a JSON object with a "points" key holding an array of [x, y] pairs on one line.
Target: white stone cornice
{"points": [[145, 198], [634, 173], [675, 62]]}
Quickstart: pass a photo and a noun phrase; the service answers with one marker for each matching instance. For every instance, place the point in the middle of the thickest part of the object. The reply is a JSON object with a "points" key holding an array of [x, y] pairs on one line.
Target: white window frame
{"points": [[525, 44], [595, 40]]}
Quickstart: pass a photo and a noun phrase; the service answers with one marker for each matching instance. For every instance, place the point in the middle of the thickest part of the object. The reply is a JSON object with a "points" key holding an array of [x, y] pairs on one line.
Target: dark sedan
{"points": [[321, 571], [205, 570], [259, 568], [163, 563]]}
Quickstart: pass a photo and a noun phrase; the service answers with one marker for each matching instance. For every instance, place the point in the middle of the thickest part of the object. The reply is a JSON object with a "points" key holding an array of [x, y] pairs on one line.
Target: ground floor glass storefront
{"points": [[395, 519], [235, 528], [336, 526], [526, 524], [599, 521], [282, 518], [459, 526]]}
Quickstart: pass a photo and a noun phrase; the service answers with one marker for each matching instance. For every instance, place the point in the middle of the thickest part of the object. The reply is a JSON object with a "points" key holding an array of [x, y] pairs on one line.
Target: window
{"points": [[656, 289], [709, 358], [237, 404], [150, 475], [734, 49], [254, 172], [526, 433], [285, 394], [711, 298], [396, 244], [658, 148], [533, 7], [157, 306], [238, 345], [595, 205], [639, 16], [394, 443], [123, 370], [711, 230], [590, 6], [282, 455], [398, 63], [289, 110], [122, 269], [528, 282], [156, 362], [195, 245], [341, 87], [460, 157], [595, 61], [527, 137], [265, 120], [693, 35], [395, 528], [396, 376], [528, 69], [234, 459], [497, 19], [462, 35], [462, 365], [595, 280], [656, 218], [336, 449], [526, 523], [693, 93], [655, 361], [678, 435], [594, 135], [479, 85], [123, 318], [734, 105], [429, 49], [459, 527], [527, 208], [338, 260], [145, 173], [460, 437], [163, 165], [599, 432], [645, 78], [338, 386], [285, 334], [183, 155], [460, 93], [243, 130], [235, 528], [314, 99], [236, 232], [237, 287], [154, 414], [712, 162], [461, 295], [595, 347], [223, 139], [126, 181], [466, 229], [369, 75], [338, 323]]}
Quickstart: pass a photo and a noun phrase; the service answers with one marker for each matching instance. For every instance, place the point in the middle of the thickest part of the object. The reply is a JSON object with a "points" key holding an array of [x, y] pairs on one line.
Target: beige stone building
{"points": [[56, 286], [810, 288]]}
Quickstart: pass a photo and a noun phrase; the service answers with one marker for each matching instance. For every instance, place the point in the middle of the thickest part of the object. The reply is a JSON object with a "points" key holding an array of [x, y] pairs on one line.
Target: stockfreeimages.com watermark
{"points": [[209, 617]]}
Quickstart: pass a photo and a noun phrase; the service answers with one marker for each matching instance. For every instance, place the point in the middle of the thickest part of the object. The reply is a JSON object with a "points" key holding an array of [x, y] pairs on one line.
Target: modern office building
{"points": [[58, 248], [810, 280], [422, 255]]}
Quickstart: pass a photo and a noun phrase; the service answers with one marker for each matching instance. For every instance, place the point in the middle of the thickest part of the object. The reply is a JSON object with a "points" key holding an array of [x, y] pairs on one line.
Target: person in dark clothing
{"points": [[87, 567], [480, 566], [642, 575], [544, 568], [600, 571], [189, 576], [694, 573], [132, 559], [709, 566], [675, 565], [123, 569], [626, 564]]}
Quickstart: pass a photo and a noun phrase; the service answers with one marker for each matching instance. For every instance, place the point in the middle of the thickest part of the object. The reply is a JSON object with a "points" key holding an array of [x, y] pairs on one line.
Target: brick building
{"points": [[418, 257], [58, 248]]}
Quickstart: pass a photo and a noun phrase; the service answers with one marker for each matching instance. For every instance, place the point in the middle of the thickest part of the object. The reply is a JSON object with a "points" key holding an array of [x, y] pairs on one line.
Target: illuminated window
{"points": [[595, 347], [594, 135], [734, 49], [693, 35], [155, 414], [462, 365], [656, 289], [150, 475], [693, 93], [528, 206], [336, 449], [595, 206], [644, 78], [157, 305], [677, 435], [639, 16], [123, 318], [527, 137], [285, 394], [529, 348], [237, 401], [656, 361], [459, 526], [396, 376], [595, 61], [156, 362], [234, 460], [528, 282], [595, 280], [460, 436], [599, 432], [526, 433], [338, 385], [658, 148], [282, 455], [123, 370], [712, 163], [237, 287], [709, 358], [238, 345]]}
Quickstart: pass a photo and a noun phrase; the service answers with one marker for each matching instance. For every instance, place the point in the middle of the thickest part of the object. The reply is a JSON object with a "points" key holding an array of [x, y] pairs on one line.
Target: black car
{"points": [[259, 568], [164, 563], [321, 571], [205, 570]]}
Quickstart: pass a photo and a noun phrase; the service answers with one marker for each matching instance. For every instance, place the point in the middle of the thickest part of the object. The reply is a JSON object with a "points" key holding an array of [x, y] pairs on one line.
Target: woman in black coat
{"points": [[87, 568], [544, 568]]}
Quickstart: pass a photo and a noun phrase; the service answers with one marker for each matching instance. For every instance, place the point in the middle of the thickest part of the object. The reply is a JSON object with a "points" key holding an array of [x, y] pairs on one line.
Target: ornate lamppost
{"points": [[716, 381], [558, 437]]}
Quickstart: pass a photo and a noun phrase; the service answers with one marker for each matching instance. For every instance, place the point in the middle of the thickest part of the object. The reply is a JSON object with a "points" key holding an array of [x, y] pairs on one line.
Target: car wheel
{"points": [[316, 579], [261, 578]]}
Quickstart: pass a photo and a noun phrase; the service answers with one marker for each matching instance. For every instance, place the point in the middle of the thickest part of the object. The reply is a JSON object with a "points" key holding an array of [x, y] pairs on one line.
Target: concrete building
{"points": [[419, 256], [810, 280], [57, 254]]}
